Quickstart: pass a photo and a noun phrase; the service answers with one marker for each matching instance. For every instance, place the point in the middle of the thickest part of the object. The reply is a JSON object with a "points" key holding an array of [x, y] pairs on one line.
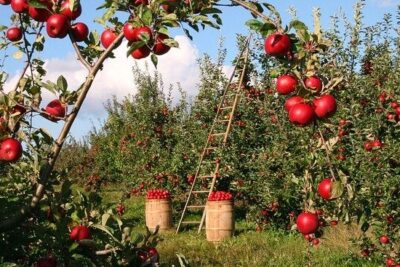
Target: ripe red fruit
{"points": [[19, 6], [398, 111], [5, 2], [10, 150], [219, 196], [139, 2], [313, 83], [342, 122], [129, 31], [56, 109], [142, 34], [71, 14], [384, 239], [152, 252], [307, 223], [377, 143], [394, 105], [308, 237], [79, 232], [14, 34], [368, 145], [324, 106], [389, 262], [286, 84], [301, 114], [325, 189], [277, 44], [291, 101], [334, 223], [46, 262], [41, 14], [171, 7], [159, 47], [80, 31], [141, 52], [57, 26], [107, 37], [390, 219], [365, 253], [315, 242]]}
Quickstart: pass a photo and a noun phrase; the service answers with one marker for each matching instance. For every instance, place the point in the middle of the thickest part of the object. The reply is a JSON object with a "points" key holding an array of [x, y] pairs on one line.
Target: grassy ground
{"points": [[248, 247]]}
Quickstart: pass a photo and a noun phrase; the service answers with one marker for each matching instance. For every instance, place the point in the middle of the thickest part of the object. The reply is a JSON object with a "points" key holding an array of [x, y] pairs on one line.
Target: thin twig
{"points": [[79, 54], [328, 158], [107, 251], [29, 56], [253, 10]]}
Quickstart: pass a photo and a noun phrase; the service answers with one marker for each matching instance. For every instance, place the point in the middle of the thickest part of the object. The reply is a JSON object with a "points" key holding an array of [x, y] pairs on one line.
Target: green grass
{"points": [[248, 247]]}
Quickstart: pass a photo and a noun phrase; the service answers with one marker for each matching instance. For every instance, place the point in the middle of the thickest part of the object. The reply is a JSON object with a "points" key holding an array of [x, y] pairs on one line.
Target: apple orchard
{"points": [[314, 141]]}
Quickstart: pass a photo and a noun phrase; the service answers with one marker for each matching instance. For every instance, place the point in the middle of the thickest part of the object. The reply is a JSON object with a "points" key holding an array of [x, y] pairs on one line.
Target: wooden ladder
{"points": [[209, 164]]}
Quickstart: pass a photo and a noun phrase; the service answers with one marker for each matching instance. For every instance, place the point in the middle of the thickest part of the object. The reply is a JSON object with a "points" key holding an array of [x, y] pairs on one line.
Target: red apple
{"points": [[384, 240], [313, 83], [139, 2], [301, 114], [324, 106], [56, 109], [14, 34], [389, 262], [19, 6], [141, 52], [80, 31], [325, 189], [159, 47], [71, 13], [57, 26], [307, 223], [291, 101], [79, 232], [108, 37], [41, 14], [286, 84], [142, 34], [277, 44], [10, 150]]}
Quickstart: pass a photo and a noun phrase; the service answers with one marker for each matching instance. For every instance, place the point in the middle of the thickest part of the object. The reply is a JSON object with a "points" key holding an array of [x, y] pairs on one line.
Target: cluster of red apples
{"points": [[158, 194], [308, 222], [220, 196], [300, 111], [58, 16]]}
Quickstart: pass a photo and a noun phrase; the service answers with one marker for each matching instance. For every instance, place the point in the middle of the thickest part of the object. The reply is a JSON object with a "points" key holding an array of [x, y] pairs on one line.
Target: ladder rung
{"points": [[201, 191], [222, 120], [229, 107], [191, 222], [196, 206], [211, 148]]}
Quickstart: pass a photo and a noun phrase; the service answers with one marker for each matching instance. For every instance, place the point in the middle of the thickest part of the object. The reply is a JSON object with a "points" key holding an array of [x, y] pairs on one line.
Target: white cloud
{"points": [[385, 3], [116, 78]]}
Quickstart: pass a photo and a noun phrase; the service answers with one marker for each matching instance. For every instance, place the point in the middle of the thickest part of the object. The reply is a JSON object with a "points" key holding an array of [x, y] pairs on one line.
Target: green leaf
{"points": [[37, 4], [73, 247], [62, 83], [337, 189], [254, 24], [105, 229], [210, 11], [147, 17], [154, 59], [298, 25]]}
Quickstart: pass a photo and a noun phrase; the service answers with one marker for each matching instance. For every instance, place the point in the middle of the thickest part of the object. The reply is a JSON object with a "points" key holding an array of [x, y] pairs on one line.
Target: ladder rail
{"points": [[228, 129], [245, 52]]}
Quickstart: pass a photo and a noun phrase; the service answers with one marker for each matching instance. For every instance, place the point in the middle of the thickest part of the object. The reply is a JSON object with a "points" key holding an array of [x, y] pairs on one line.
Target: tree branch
{"points": [[79, 54], [55, 151], [253, 10]]}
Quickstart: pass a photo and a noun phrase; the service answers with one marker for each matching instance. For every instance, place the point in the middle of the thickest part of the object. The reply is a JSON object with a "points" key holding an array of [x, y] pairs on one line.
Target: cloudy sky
{"points": [[179, 65]]}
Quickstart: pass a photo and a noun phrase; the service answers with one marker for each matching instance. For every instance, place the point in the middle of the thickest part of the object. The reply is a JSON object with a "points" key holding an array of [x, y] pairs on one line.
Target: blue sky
{"points": [[59, 52]]}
